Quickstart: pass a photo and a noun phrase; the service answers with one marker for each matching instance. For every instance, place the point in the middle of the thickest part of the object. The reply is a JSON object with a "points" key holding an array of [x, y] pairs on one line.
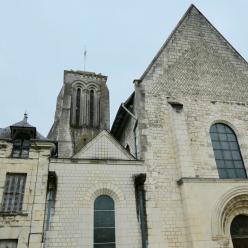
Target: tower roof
{"points": [[5, 133]]}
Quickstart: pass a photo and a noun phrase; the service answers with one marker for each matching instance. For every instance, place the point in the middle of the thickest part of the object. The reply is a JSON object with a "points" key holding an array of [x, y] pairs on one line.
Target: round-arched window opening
{"points": [[239, 231], [78, 103], [104, 222], [227, 153], [92, 108]]}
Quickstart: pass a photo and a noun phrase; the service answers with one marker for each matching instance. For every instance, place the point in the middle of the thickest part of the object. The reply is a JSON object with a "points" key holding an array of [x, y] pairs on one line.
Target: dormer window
{"points": [[21, 133], [21, 148]]}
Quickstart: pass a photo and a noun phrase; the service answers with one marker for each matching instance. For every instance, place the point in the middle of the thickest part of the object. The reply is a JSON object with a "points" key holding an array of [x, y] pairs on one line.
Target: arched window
{"points": [[226, 151], [104, 222], [239, 231], [78, 102], [91, 108]]}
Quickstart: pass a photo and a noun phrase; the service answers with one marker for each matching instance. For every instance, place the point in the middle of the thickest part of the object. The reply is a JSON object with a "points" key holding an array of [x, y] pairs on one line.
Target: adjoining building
{"points": [[171, 172]]}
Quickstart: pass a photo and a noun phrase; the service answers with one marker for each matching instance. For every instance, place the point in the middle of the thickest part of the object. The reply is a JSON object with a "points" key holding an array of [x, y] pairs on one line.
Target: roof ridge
{"points": [[167, 40], [192, 6]]}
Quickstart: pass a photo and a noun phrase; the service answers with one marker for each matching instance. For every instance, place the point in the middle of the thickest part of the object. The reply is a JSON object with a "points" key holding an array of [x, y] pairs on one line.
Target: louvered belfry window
{"points": [[104, 222], [13, 193], [226, 151]]}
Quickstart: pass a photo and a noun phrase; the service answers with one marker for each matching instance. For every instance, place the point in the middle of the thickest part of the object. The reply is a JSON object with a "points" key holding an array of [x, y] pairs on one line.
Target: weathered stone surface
{"points": [[72, 136], [199, 69], [197, 79]]}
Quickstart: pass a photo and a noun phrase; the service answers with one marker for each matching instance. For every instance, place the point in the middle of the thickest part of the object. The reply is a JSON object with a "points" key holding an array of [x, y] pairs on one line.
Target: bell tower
{"points": [[82, 111]]}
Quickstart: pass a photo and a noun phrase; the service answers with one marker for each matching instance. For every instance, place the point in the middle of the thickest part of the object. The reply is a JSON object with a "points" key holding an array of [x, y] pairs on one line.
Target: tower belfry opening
{"points": [[78, 102], [82, 111]]}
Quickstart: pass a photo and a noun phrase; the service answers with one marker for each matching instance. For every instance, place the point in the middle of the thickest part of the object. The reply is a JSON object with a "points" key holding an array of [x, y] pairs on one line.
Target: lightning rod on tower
{"points": [[85, 55]]}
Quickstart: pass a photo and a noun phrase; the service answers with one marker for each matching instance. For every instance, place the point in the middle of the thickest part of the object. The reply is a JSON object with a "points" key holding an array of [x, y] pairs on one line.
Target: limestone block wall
{"points": [[26, 226], [210, 205], [198, 68], [200, 116], [79, 183], [71, 138], [159, 149]]}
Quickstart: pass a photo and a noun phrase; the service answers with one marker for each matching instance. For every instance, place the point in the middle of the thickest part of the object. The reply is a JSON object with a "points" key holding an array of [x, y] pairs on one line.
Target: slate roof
{"points": [[5, 133], [120, 116]]}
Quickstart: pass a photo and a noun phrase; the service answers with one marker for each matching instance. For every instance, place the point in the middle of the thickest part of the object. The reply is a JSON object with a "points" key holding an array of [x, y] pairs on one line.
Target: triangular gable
{"points": [[192, 11], [104, 146]]}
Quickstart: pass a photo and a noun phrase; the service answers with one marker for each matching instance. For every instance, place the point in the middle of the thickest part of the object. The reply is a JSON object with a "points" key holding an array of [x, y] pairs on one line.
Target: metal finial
{"points": [[25, 117], [85, 56]]}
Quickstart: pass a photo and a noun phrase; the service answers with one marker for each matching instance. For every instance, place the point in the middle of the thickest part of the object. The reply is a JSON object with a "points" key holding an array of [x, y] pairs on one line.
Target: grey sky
{"points": [[41, 38]]}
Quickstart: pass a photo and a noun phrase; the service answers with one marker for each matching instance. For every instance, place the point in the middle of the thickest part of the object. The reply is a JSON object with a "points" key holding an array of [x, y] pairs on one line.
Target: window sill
{"points": [[19, 157], [3, 214]]}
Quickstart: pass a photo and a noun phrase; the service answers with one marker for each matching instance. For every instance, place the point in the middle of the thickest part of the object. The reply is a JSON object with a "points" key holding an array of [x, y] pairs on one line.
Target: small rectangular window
{"points": [[13, 193], [8, 243], [21, 148]]}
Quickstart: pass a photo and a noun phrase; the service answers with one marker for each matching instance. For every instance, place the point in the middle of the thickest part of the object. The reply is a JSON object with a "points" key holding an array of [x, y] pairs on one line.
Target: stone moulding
{"points": [[231, 204], [105, 189]]}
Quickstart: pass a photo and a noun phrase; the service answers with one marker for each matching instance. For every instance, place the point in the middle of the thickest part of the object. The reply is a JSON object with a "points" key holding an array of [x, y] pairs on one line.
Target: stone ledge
{"points": [[9, 214], [210, 180]]}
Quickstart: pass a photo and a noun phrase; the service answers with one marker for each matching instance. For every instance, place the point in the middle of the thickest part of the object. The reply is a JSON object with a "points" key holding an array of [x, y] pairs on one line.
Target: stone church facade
{"points": [[171, 172]]}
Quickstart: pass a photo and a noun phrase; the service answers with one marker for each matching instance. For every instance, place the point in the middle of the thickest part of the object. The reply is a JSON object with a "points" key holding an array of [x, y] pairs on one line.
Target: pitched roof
{"points": [[121, 114], [104, 146], [188, 12], [5, 133]]}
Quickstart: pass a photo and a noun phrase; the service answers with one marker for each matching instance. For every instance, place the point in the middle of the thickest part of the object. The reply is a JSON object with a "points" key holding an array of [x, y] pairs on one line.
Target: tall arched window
{"points": [[78, 102], [104, 222], [91, 108], [239, 231], [226, 151]]}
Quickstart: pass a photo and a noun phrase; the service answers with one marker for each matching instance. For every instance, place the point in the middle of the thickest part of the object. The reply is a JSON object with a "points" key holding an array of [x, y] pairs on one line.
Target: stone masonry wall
{"points": [[79, 183], [198, 68], [26, 226]]}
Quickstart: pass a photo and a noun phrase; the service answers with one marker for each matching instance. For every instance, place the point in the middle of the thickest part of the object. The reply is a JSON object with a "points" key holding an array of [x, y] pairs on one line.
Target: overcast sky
{"points": [[42, 38]]}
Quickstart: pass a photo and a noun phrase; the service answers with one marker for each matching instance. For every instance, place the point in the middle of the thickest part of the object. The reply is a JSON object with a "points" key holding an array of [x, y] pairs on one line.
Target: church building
{"points": [[171, 172]]}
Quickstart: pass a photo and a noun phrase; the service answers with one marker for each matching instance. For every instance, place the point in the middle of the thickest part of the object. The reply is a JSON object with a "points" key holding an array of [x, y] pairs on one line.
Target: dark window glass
{"points": [[226, 151], [21, 148], [8, 243], [13, 193], [239, 231], [104, 218], [128, 148], [91, 108], [78, 102], [104, 246], [104, 222]]}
